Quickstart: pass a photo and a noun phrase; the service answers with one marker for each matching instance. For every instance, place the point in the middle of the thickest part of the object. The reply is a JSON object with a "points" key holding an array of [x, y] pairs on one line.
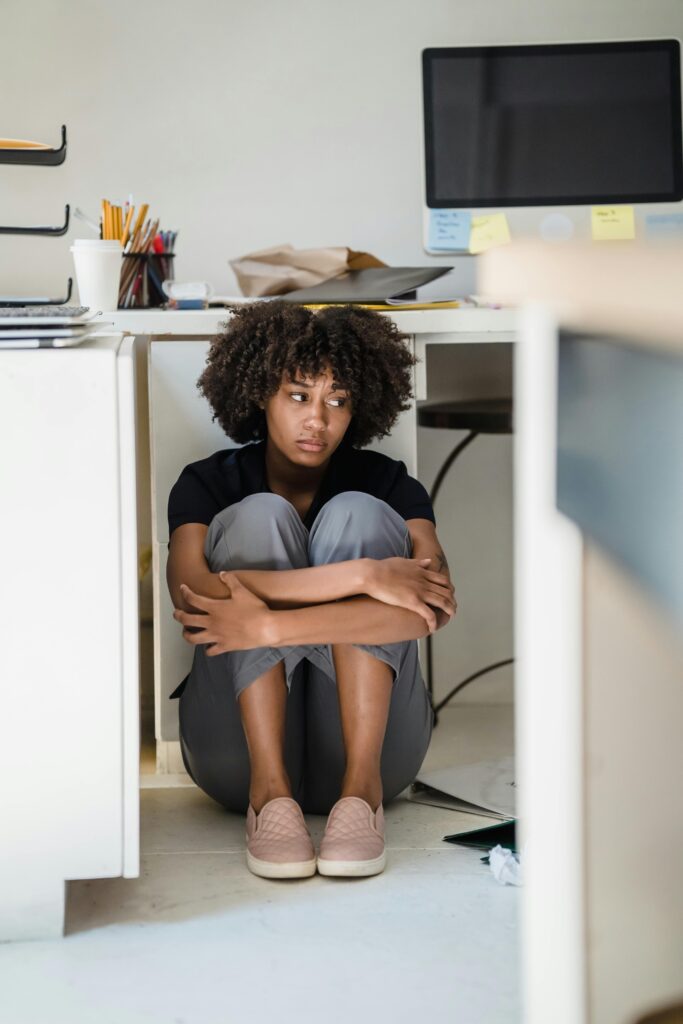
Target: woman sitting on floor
{"points": [[303, 568]]}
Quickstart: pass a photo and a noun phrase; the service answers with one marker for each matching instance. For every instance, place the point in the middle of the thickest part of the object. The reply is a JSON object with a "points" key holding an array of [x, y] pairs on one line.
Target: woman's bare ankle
{"points": [[368, 789], [261, 792]]}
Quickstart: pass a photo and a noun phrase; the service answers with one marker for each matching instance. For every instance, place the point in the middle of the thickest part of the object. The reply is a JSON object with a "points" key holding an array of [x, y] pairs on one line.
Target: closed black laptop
{"points": [[373, 285]]}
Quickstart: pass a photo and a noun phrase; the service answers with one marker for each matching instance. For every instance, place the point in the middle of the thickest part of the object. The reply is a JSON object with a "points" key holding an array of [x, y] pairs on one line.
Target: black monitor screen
{"points": [[553, 124]]}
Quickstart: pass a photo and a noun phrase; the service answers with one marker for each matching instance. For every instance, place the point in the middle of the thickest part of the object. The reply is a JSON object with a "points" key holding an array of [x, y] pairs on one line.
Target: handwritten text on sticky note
{"points": [[612, 223], [488, 230], [449, 229]]}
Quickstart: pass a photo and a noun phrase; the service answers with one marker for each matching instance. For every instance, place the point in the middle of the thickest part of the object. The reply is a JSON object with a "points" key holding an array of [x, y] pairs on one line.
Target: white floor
{"points": [[197, 939]]}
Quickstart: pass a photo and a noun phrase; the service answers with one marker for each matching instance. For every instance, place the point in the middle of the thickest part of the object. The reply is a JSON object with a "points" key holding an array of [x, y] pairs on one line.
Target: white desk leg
{"points": [[420, 349], [402, 441], [548, 697]]}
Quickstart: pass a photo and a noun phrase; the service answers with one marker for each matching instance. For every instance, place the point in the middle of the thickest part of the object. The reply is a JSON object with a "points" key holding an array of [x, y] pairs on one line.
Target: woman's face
{"points": [[307, 418]]}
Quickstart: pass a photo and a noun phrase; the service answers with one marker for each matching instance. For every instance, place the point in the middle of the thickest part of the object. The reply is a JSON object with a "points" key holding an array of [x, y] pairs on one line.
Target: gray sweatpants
{"points": [[264, 531]]}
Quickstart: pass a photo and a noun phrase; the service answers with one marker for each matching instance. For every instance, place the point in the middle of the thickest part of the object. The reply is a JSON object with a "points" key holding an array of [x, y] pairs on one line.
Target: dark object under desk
{"points": [[477, 416]]}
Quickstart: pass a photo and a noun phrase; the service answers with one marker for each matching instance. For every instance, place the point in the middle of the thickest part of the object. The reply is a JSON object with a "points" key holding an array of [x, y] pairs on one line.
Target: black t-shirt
{"points": [[206, 487]]}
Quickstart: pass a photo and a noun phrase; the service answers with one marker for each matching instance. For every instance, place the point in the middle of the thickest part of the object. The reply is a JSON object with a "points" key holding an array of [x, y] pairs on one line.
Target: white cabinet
{"points": [[69, 758]]}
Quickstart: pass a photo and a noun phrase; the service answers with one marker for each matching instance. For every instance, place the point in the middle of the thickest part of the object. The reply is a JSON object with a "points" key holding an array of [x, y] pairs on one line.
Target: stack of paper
{"points": [[47, 326]]}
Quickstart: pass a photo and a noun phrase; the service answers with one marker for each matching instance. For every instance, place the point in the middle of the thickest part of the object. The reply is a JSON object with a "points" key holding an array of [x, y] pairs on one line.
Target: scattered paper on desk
{"points": [[612, 223], [505, 867], [449, 230], [664, 225], [488, 230]]}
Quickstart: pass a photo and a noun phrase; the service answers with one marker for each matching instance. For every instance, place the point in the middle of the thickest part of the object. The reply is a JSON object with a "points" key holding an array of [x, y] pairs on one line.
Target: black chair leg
{"points": [[436, 486], [460, 447], [470, 679]]}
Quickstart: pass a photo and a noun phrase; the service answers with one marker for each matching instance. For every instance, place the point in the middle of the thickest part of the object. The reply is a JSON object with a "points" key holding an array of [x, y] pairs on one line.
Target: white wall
{"points": [[248, 124]]}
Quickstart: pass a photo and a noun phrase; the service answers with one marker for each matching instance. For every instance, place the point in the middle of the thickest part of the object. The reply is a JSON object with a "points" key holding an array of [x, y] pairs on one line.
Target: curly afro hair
{"points": [[263, 341]]}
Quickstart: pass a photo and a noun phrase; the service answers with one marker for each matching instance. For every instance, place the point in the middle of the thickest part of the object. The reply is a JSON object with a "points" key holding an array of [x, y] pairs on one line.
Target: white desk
{"points": [[189, 322], [428, 327], [181, 431]]}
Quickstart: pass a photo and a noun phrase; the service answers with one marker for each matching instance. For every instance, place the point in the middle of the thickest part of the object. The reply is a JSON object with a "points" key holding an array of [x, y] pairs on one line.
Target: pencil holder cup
{"points": [[141, 277]]}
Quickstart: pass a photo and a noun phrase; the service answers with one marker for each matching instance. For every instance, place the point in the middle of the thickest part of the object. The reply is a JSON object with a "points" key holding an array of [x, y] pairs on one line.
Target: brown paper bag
{"points": [[283, 268]]}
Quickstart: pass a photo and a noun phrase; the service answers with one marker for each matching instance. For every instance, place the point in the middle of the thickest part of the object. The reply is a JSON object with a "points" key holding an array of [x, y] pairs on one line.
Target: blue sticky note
{"points": [[449, 229], [664, 225]]}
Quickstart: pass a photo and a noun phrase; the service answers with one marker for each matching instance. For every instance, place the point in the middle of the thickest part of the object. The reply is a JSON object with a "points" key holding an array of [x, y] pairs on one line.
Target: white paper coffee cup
{"points": [[98, 272]]}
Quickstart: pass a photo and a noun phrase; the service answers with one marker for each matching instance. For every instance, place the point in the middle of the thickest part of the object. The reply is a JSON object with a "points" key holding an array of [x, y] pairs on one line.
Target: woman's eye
{"points": [[296, 395]]}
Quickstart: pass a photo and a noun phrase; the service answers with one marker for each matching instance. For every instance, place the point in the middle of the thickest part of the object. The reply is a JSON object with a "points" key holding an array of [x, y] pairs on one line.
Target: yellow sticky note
{"points": [[488, 230], [612, 223]]}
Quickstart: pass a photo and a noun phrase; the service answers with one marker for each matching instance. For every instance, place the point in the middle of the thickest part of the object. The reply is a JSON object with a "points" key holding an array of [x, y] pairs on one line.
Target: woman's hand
{"points": [[237, 623], [409, 583]]}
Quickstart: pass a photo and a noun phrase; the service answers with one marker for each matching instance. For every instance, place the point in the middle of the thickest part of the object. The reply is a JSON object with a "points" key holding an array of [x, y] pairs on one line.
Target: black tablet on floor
{"points": [[504, 832]]}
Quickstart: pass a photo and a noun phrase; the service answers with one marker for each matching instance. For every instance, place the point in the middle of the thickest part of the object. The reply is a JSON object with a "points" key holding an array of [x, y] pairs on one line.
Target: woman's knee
{"points": [[261, 531], [357, 504], [353, 524], [255, 510]]}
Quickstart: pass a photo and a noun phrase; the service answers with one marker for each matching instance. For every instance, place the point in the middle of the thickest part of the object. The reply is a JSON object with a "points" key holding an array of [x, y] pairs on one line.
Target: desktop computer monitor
{"points": [[559, 125]]}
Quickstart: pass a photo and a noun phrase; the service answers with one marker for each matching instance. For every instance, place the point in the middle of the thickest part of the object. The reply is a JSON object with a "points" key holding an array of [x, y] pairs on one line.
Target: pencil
{"points": [[141, 215], [126, 226]]}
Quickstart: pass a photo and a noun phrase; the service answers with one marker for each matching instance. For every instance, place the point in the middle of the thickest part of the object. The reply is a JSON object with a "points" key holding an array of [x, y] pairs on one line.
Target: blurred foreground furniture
{"points": [[598, 624]]}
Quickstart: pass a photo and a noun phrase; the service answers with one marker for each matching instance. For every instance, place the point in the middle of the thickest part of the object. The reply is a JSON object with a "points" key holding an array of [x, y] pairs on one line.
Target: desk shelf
{"points": [[14, 300], [36, 157], [46, 158], [61, 230]]}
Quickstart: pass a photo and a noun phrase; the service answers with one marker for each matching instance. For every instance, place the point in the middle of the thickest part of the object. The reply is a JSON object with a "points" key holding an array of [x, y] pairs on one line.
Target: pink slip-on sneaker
{"points": [[353, 843], [279, 844]]}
